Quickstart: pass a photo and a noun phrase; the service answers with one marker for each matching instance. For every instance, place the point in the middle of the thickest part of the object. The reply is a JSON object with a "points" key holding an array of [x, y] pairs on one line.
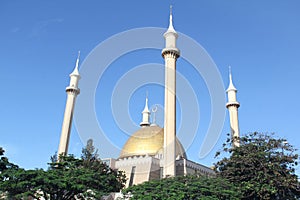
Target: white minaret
{"points": [[72, 91], [146, 115], [232, 107], [170, 53]]}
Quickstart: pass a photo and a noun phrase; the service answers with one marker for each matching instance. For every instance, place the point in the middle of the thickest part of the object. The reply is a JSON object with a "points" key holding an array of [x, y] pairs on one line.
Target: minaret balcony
{"points": [[72, 90], [171, 50], [234, 103]]}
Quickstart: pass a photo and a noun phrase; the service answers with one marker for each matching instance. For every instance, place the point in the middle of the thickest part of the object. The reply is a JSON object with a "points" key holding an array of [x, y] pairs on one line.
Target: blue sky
{"points": [[39, 45]]}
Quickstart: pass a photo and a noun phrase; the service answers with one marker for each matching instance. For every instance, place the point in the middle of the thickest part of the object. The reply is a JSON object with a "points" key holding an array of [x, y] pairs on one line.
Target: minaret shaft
{"points": [[67, 124], [234, 124], [232, 107], [72, 91], [170, 115], [170, 53]]}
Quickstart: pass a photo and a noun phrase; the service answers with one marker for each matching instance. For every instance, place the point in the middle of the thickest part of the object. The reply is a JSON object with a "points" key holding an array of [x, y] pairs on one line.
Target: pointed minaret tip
{"points": [[231, 86], [76, 71], [171, 28], [77, 61], [146, 109], [230, 76]]}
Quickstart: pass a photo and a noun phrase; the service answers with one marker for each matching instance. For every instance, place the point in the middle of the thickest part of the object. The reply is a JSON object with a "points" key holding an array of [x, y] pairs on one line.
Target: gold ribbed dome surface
{"points": [[148, 140]]}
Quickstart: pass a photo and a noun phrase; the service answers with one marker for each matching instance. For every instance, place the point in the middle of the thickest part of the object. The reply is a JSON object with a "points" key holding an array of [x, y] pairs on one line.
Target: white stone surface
{"points": [[72, 91]]}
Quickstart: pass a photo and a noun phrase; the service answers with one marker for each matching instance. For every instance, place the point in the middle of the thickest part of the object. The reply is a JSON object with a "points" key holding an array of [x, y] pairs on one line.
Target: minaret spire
{"points": [[231, 86], [170, 53], [171, 28], [76, 71], [72, 91], [232, 106], [146, 114]]}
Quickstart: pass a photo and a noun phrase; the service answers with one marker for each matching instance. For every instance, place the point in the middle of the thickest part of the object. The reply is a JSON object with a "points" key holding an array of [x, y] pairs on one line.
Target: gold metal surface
{"points": [[148, 140]]}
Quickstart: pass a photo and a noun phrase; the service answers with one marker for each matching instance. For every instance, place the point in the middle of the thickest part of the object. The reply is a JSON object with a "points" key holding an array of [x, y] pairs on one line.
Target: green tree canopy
{"points": [[84, 178], [263, 167], [184, 187], [4, 163]]}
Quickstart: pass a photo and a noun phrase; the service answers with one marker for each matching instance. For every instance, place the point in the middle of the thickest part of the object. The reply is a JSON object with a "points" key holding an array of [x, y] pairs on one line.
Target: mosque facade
{"points": [[153, 152], [142, 156]]}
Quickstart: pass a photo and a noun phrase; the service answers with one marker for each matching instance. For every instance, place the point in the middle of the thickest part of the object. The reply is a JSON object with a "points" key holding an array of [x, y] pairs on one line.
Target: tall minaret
{"points": [[146, 115], [72, 91], [170, 53], [232, 107]]}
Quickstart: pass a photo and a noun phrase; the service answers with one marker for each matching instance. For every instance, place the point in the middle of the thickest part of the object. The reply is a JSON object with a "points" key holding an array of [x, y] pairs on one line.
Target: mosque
{"points": [[153, 152]]}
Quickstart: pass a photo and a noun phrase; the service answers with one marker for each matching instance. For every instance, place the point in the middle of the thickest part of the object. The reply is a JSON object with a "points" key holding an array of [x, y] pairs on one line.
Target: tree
{"points": [[77, 177], [21, 183], [65, 179], [184, 187], [4, 163], [3, 160], [89, 155], [5, 168], [263, 167]]}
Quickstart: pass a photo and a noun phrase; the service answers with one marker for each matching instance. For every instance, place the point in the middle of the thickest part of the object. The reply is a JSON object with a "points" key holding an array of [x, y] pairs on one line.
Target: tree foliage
{"points": [[263, 167], [84, 178], [184, 187], [4, 163]]}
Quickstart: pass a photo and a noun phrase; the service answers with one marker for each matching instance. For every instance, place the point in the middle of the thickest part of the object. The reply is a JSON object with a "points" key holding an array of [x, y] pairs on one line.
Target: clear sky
{"points": [[39, 41]]}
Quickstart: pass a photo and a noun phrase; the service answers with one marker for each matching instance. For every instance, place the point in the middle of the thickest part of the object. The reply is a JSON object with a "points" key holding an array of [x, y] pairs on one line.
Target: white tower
{"points": [[72, 91], [170, 53], [146, 115], [232, 106]]}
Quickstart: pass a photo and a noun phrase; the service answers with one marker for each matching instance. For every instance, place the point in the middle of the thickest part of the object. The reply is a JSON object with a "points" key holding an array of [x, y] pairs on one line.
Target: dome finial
{"points": [[146, 109], [146, 114], [154, 110]]}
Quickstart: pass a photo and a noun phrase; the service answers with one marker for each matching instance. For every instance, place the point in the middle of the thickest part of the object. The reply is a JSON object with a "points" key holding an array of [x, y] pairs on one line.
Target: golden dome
{"points": [[148, 140]]}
